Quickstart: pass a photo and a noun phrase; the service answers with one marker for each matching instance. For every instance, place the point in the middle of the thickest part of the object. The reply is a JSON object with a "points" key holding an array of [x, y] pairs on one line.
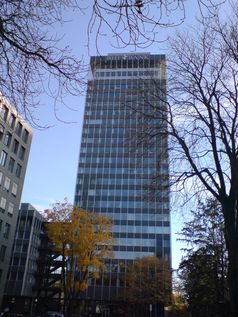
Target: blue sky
{"points": [[52, 166]]}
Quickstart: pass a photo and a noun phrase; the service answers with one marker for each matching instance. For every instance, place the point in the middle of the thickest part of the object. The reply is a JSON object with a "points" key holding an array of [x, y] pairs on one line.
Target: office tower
{"points": [[15, 142], [118, 164]]}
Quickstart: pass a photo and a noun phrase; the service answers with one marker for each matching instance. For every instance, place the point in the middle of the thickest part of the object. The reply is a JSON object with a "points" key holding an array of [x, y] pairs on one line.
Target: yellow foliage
{"points": [[83, 239]]}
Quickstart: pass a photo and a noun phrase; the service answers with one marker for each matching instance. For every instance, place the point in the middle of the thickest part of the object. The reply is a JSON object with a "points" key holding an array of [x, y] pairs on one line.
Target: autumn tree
{"points": [[179, 307], [201, 115], [148, 281], [83, 240]]}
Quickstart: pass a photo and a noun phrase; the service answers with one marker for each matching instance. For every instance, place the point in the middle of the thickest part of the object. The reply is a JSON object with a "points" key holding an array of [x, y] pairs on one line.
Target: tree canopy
{"points": [[83, 240], [148, 281]]}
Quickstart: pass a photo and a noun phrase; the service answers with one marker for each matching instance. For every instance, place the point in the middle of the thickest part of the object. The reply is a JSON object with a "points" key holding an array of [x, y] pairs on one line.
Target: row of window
{"points": [[128, 73], [122, 97], [139, 222], [140, 216], [12, 121], [140, 242], [110, 149], [120, 160], [124, 170], [3, 206], [139, 193], [7, 184], [13, 166], [142, 229], [127, 204], [130, 85], [127, 61]]}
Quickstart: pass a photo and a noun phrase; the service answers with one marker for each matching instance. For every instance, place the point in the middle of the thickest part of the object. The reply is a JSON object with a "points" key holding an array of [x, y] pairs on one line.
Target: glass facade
{"points": [[118, 164]]}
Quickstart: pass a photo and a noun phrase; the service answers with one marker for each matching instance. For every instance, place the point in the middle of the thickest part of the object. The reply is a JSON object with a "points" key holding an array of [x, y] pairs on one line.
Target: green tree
{"points": [[203, 271], [199, 274], [83, 240]]}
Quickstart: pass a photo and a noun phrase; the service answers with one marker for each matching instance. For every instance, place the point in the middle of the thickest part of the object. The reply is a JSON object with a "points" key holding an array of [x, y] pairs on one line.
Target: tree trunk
{"points": [[231, 237]]}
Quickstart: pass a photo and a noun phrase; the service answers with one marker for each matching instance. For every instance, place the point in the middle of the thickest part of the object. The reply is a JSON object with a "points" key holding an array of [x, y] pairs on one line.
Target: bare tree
{"points": [[201, 114], [138, 22], [31, 57], [33, 60]]}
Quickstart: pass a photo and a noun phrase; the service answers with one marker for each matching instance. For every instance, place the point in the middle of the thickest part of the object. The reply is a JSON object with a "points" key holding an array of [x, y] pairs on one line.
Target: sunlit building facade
{"points": [[15, 142], [117, 166]]}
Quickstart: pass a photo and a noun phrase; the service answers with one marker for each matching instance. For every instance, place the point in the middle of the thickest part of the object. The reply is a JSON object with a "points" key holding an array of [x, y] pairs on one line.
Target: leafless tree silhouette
{"points": [[138, 22], [201, 114], [33, 60]]}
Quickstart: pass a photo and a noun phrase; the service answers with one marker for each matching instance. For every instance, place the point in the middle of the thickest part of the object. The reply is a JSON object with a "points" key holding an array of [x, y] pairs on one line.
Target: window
{"points": [[3, 158], [1, 131], [18, 170], [25, 135], [11, 165], [19, 129], [15, 146], [20, 276], [22, 153], [1, 175], [22, 261], [7, 183], [24, 247], [7, 139], [3, 202], [2, 252], [10, 208], [12, 121], [14, 189], [6, 230], [4, 112]]}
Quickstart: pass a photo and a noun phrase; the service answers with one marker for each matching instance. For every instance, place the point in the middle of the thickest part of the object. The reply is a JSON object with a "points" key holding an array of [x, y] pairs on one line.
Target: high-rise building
{"points": [[15, 142], [118, 163]]}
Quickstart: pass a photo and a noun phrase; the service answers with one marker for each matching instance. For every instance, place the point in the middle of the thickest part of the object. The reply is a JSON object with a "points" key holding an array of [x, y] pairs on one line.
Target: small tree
{"points": [[84, 240], [204, 269], [148, 281], [179, 307], [201, 283]]}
